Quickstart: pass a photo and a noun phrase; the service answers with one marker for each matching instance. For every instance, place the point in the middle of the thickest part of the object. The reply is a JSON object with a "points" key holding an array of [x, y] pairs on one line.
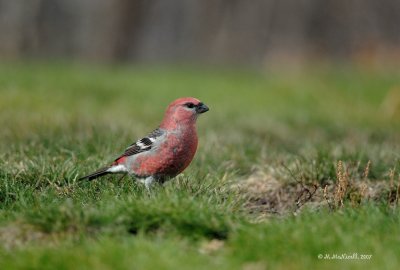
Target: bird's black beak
{"points": [[202, 108]]}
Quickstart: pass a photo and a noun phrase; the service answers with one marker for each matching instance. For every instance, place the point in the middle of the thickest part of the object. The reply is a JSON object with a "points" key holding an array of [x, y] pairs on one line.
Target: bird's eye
{"points": [[190, 105]]}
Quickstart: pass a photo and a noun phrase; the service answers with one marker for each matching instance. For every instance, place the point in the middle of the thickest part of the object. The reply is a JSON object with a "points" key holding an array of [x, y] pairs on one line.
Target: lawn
{"points": [[290, 166]]}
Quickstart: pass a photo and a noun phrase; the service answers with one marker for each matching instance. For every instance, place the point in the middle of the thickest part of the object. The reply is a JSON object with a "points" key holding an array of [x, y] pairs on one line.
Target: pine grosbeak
{"points": [[166, 151]]}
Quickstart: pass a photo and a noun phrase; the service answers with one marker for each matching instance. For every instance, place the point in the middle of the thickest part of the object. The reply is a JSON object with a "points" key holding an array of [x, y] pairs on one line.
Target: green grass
{"points": [[264, 129]]}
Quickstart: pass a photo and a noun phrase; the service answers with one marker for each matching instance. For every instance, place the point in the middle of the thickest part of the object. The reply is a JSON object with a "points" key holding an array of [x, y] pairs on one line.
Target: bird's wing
{"points": [[142, 145]]}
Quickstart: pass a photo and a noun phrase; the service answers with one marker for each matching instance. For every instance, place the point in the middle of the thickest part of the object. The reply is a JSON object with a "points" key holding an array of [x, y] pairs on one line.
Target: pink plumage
{"points": [[166, 151]]}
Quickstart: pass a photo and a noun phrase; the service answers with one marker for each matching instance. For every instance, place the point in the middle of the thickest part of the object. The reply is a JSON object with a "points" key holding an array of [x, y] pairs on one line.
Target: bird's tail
{"points": [[98, 173]]}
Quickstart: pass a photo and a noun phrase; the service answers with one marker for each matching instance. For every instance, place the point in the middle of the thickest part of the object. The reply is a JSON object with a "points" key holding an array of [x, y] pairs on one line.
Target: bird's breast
{"points": [[169, 157]]}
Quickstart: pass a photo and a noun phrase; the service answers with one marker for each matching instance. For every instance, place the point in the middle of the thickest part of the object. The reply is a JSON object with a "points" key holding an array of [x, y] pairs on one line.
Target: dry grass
{"points": [[342, 177], [394, 189], [267, 195]]}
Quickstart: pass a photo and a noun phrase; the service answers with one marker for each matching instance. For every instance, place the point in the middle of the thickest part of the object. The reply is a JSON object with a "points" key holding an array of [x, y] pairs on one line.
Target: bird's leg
{"points": [[148, 182]]}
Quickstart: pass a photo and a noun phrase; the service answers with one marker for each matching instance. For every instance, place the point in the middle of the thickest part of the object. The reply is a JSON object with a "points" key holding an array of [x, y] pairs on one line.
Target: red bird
{"points": [[166, 151]]}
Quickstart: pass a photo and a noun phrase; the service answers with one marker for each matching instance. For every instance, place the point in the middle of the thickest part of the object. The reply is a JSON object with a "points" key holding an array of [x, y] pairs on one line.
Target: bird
{"points": [[163, 153]]}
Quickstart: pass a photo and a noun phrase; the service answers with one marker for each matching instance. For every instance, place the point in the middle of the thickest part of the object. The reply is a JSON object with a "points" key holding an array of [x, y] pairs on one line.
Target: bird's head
{"points": [[183, 111]]}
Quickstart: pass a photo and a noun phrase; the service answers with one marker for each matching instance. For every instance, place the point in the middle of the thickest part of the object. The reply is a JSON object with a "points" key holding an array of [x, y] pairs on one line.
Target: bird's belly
{"points": [[168, 160]]}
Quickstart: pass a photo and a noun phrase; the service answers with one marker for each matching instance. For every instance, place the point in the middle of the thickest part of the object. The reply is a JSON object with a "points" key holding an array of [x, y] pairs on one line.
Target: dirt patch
{"points": [[18, 235], [268, 196], [211, 246]]}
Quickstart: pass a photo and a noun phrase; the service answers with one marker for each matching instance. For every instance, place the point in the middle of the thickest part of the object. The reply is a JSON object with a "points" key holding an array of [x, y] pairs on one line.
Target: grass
{"points": [[253, 198]]}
